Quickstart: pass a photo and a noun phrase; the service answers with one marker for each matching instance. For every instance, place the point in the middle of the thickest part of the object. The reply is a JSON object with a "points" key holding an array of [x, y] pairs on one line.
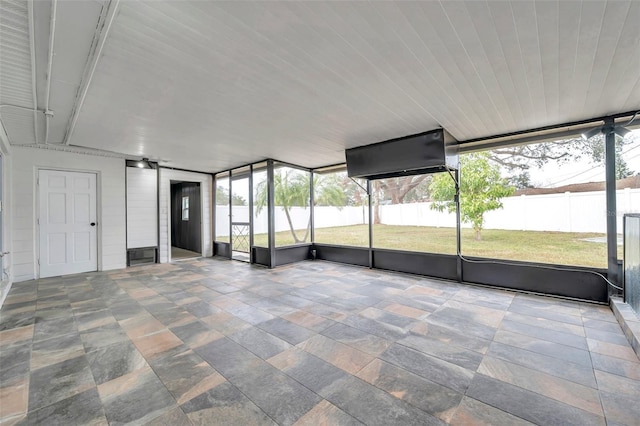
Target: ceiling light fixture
{"points": [[142, 164], [620, 130]]}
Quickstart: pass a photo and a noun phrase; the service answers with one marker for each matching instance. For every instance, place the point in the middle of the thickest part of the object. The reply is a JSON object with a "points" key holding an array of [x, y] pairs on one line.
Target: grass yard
{"points": [[562, 248]]}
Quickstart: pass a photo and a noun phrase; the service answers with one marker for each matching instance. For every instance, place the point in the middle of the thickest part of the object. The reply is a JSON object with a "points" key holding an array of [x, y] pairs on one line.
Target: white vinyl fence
{"points": [[324, 217], [567, 212]]}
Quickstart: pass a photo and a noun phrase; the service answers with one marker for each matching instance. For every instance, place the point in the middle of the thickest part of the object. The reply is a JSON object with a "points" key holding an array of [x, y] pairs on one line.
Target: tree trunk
{"points": [[376, 202], [478, 236], [306, 234], [293, 232]]}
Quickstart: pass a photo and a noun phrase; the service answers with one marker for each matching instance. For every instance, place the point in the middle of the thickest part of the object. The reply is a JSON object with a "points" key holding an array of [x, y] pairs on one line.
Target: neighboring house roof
{"points": [[630, 182]]}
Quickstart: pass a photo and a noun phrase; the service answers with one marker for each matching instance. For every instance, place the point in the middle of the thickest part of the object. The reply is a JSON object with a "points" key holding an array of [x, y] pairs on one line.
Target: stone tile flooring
{"points": [[210, 341]]}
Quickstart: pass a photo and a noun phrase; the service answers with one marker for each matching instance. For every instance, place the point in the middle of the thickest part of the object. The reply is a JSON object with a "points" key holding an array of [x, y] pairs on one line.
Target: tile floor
{"points": [[211, 341]]}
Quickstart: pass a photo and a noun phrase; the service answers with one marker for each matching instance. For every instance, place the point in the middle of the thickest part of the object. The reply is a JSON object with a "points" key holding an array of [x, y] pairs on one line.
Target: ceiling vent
{"points": [[430, 152]]}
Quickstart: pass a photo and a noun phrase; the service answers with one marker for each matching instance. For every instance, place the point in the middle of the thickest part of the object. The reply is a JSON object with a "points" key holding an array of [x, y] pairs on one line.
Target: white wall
{"points": [[111, 205], [142, 207], [6, 274], [206, 184]]}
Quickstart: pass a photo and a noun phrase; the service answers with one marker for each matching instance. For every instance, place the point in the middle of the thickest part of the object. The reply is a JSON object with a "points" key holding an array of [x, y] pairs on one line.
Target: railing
{"points": [[240, 236]]}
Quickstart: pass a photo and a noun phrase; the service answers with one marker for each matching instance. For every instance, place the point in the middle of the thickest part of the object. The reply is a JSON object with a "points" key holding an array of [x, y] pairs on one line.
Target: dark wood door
{"points": [[186, 222]]}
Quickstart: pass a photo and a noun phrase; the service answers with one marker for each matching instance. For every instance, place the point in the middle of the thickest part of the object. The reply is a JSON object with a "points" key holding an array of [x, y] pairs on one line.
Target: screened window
{"points": [[260, 215], [627, 173], [292, 212], [340, 209], [222, 211], [407, 217], [543, 202]]}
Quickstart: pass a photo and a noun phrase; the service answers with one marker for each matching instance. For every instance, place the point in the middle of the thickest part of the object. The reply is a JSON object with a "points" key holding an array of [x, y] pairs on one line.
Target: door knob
{"points": [[92, 224]]}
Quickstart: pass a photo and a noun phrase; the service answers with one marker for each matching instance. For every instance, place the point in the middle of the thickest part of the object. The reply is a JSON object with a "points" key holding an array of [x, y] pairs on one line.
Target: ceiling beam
{"points": [[32, 47], [52, 36], [105, 22]]}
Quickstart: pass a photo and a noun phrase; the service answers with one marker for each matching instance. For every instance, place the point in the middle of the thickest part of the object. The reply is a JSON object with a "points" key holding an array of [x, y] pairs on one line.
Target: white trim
{"points": [[4, 140], [206, 210], [37, 213], [5, 261], [202, 211]]}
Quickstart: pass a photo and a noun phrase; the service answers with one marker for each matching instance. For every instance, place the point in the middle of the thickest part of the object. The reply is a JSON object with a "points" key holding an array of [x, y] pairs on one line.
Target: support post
{"points": [[230, 215], [458, 227], [612, 234], [312, 207], [251, 260], [271, 212], [157, 167], [370, 198]]}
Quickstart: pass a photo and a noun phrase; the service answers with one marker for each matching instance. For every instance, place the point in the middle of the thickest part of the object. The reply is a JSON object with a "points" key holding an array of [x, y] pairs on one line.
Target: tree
{"points": [[331, 190], [399, 190], [354, 189], [597, 153], [521, 180], [222, 197], [519, 158], [481, 190], [291, 189]]}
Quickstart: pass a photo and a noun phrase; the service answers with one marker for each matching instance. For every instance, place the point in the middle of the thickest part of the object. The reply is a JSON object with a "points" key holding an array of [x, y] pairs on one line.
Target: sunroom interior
{"points": [[387, 223], [302, 213]]}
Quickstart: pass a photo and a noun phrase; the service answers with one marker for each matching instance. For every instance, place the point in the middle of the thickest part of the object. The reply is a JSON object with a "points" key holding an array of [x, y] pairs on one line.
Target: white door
{"points": [[68, 241]]}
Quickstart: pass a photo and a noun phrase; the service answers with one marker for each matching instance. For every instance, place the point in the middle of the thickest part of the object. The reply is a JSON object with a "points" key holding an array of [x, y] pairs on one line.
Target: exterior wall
{"points": [[206, 185], [142, 207], [110, 198], [6, 275]]}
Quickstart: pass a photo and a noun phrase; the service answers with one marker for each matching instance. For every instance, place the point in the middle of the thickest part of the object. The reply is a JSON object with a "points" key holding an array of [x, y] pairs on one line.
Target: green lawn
{"points": [[563, 248]]}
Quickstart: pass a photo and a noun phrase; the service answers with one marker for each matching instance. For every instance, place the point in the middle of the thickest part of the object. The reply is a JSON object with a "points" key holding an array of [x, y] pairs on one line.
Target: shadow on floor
{"points": [[178, 254]]}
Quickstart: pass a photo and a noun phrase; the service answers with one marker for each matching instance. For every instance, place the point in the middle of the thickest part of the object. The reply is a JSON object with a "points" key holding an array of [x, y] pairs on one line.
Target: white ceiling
{"points": [[16, 82], [213, 85]]}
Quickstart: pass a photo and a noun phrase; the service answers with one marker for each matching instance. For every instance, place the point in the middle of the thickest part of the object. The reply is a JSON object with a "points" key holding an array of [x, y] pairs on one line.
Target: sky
{"points": [[585, 171]]}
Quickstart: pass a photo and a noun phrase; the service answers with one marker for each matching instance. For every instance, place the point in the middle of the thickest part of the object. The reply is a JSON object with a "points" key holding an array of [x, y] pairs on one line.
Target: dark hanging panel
{"points": [[430, 152]]}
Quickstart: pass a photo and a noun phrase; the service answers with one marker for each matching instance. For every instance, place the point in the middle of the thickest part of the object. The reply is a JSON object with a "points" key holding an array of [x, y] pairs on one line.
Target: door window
{"points": [[185, 208]]}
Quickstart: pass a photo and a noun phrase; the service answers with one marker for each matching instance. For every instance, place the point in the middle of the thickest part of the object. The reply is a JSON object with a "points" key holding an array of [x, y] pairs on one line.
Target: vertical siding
{"points": [[206, 184], [110, 198], [142, 207], [6, 280]]}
